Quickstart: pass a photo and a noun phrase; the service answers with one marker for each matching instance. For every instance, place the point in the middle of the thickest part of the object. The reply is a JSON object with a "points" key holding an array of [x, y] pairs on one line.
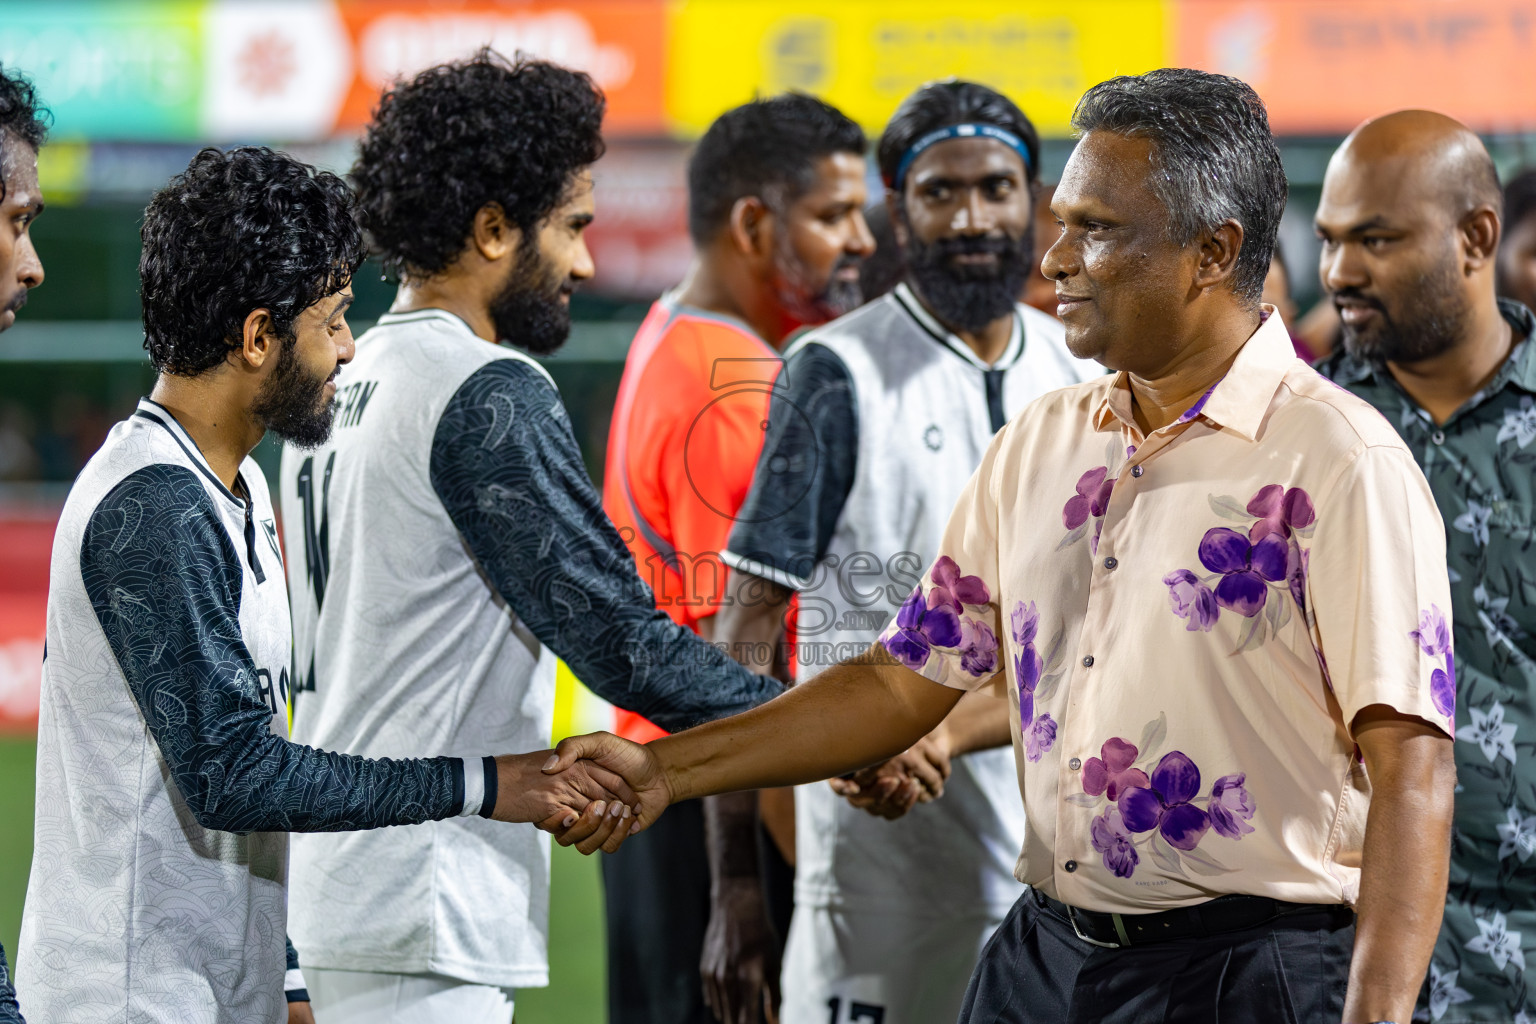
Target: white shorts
{"points": [[365, 997], [870, 967]]}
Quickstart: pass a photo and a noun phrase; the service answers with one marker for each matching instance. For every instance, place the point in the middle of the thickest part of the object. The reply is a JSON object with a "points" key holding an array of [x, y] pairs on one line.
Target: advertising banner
{"points": [[620, 43], [865, 56], [301, 70], [1323, 66], [109, 69], [290, 71]]}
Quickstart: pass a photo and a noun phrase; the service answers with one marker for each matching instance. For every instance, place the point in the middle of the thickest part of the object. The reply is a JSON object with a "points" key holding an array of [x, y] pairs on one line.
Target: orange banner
{"points": [[1324, 66], [620, 43]]}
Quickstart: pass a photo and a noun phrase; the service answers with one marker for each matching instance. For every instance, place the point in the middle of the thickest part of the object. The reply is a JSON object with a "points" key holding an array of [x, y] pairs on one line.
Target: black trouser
{"points": [[1035, 969], [657, 893]]}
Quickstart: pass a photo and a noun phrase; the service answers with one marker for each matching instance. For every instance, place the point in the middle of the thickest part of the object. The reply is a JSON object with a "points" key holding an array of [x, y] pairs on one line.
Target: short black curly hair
{"points": [[23, 118], [237, 231], [951, 102], [461, 135], [758, 148]]}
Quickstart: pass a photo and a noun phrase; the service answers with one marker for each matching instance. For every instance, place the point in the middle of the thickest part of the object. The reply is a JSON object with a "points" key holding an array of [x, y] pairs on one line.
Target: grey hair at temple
{"points": [[1214, 157]]}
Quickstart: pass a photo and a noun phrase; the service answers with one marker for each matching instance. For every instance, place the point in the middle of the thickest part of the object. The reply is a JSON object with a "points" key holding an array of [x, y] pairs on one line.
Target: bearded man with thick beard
{"points": [[446, 545], [877, 423]]}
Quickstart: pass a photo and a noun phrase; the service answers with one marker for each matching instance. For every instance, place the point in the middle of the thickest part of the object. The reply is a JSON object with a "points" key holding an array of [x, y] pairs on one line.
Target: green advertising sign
{"points": [[111, 70]]}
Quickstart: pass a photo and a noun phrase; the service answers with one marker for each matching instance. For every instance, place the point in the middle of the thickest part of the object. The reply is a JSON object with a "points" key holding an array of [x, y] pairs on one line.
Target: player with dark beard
{"points": [[446, 544], [23, 128]]}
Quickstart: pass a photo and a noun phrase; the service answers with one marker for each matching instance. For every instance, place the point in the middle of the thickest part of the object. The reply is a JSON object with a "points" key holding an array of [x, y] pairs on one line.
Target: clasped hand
{"points": [[582, 804], [892, 788], [592, 792]]}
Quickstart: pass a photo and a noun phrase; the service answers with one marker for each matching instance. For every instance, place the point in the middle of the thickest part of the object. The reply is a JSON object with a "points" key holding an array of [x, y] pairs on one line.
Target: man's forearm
{"points": [[1404, 868], [854, 714], [978, 722]]}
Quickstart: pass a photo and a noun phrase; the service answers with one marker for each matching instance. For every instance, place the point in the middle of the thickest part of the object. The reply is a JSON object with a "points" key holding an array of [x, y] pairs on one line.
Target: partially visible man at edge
{"points": [[23, 129], [1184, 546], [776, 192], [1517, 246], [448, 544], [1040, 291], [1410, 226], [878, 421]]}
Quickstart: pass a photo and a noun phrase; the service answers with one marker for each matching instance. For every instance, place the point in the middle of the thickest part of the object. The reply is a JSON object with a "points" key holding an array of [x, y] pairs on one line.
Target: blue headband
{"points": [[961, 131]]}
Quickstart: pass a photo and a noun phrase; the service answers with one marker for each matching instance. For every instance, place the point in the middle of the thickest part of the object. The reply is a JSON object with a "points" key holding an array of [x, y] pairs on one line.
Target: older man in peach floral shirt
{"points": [[1215, 585]]}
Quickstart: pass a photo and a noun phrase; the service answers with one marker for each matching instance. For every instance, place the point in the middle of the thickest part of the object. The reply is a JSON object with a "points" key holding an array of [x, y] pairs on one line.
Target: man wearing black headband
{"points": [[877, 422]]}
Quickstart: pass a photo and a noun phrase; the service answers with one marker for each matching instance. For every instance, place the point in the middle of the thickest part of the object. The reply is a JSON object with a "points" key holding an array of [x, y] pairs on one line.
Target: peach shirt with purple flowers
{"points": [[1189, 623]]}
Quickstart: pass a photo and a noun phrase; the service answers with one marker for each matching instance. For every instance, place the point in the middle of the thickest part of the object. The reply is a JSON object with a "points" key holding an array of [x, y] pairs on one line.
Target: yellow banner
{"points": [[866, 56]]}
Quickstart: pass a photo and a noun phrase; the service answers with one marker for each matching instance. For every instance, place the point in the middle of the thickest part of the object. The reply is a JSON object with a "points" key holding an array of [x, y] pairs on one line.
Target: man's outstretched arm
{"points": [[861, 711], [979, 722], [1405, 865], [509, 473], [164, 582]]}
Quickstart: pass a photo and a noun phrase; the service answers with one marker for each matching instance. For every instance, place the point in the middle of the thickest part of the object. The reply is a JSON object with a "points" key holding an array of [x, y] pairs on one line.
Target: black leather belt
{"points": [[1222, 914]]}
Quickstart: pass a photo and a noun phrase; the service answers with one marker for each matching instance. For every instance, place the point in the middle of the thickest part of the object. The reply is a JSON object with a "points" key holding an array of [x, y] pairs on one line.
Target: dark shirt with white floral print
{"points": [[1481, 466]]}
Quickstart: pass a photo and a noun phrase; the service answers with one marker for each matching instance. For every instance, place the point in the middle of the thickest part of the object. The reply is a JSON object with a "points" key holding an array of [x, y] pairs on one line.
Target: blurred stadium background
{"points": [[137, 87]]}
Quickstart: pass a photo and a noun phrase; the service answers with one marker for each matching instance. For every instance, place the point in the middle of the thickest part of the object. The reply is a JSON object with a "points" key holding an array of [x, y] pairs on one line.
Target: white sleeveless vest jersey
{"points": [[444, 547], [135, 912], [397, 650]]}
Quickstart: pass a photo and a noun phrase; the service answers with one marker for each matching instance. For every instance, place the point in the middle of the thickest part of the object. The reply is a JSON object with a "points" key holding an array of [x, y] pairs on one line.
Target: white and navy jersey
{"points": [[445, 545], [877, 422], [165, 779]]}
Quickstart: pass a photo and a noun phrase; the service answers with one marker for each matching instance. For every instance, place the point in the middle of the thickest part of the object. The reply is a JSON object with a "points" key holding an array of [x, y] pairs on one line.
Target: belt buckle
{"points": [[1072, 919]]}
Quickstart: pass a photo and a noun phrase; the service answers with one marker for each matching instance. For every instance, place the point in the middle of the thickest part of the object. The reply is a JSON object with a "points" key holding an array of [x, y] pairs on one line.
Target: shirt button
{"points": [[1135, 471], [1070, 866], [1110, 563], [1075, 763], [1088, 661], [1438, 437]]}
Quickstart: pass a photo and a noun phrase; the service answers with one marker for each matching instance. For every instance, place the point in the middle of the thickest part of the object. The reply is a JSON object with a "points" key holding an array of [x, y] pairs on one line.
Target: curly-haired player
{"points": [[167, 783], [23, 127], [446, 544]]}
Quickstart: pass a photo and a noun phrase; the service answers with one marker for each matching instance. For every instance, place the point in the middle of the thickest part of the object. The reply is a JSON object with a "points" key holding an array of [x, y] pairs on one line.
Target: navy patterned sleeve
{"points": [[507, 469], [10, 1013], [165, 584], [294, 980], [804, 474]]}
